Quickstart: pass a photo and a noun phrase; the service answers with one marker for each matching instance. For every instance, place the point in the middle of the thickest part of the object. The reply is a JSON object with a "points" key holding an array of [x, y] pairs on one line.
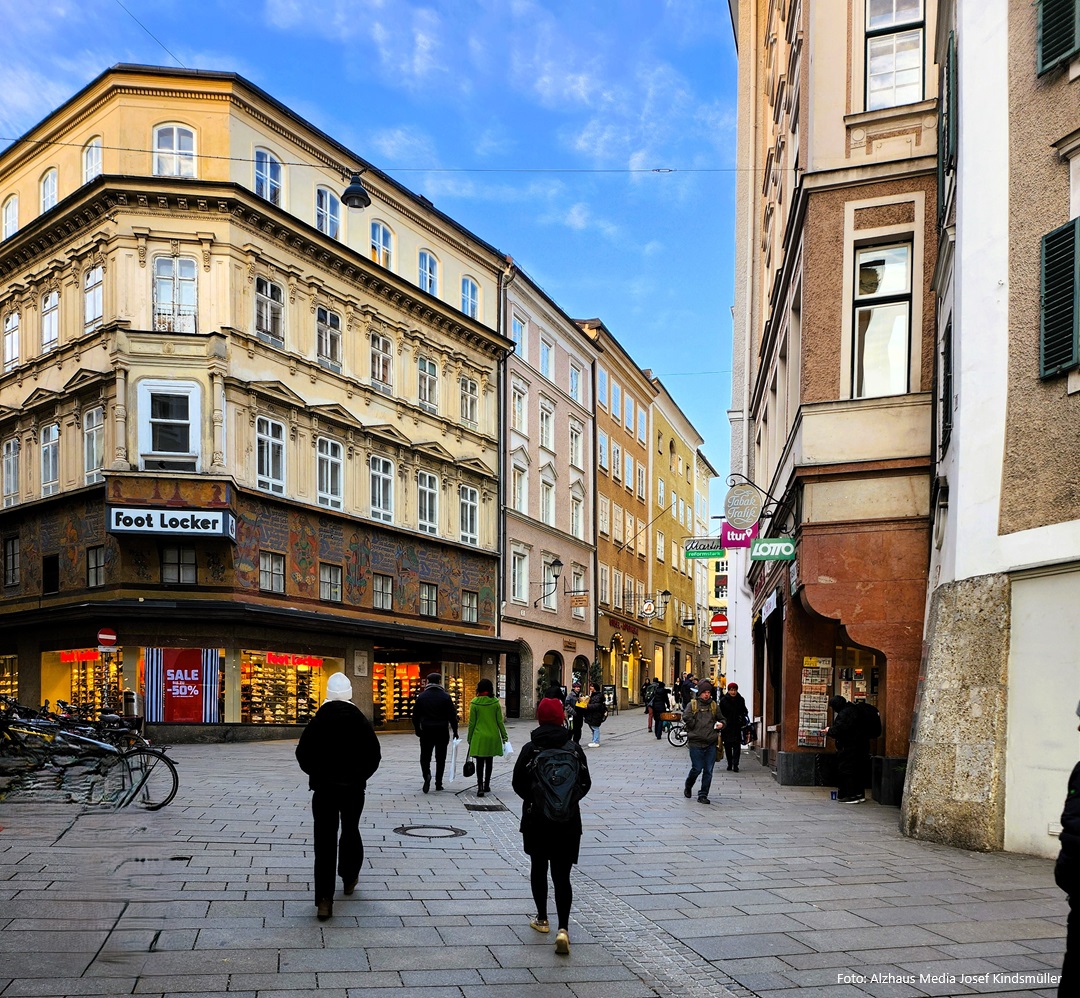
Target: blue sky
{"points": [[537, 125]]}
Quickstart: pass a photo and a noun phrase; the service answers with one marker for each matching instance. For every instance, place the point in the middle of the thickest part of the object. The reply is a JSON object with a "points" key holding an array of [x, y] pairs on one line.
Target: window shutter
{"points": [[1058, 342], [1059, 33]]}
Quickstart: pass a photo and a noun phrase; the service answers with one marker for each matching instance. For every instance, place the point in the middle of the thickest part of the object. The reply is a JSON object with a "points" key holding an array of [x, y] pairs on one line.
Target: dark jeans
{"points": [[733, 750], [702, 760], [577, 722], [564, 893], [852, 765], [1070, 967], [658, 725], [328, 805], [437, 741]]}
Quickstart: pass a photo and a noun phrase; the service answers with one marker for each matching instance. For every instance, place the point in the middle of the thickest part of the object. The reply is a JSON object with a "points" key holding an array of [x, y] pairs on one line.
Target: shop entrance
{"points": [[513, 684]]}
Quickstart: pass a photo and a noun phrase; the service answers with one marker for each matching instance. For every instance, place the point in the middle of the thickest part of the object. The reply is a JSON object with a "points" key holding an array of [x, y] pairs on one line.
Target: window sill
{"points": [[884, 129]]}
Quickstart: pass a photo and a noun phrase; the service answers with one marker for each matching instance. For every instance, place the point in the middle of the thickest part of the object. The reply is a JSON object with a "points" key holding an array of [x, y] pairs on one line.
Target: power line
{"points": [[150, 33]]}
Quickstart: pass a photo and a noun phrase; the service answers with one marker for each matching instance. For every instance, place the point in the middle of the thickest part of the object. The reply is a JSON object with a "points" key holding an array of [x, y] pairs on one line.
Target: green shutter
{"points": [[1059, 33], [1058, 341]]}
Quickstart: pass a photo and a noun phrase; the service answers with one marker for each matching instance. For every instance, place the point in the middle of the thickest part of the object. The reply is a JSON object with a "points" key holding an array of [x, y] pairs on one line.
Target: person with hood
{"points": [[595, 714], [703, 725], [574, 705], [852, 750], [549, 843], [1067, 877], [658, 706], [487, 733], [339, 751], [733, 712], [434, 717]]}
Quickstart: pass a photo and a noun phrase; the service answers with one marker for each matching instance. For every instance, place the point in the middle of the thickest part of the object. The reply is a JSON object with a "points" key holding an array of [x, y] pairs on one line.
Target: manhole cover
{"points": [[485, 807], [430, 831]]}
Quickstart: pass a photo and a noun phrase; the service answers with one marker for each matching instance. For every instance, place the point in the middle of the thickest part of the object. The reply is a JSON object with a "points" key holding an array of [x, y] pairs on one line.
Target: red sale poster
{"points": [[184, 682]]}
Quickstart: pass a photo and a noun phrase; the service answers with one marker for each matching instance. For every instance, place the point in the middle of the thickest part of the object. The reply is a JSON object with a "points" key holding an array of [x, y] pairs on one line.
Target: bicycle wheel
{"points": [[677, 734], [97, 778], [153, 777]]}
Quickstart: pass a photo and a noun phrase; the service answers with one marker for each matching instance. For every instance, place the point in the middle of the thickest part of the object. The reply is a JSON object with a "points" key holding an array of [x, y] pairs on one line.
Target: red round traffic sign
{"points": [[718, 624], [106, 636]]}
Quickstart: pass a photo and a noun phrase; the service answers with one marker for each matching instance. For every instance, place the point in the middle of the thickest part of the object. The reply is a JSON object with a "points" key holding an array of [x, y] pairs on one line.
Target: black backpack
{"points": [[871, 719], [555, 773]]}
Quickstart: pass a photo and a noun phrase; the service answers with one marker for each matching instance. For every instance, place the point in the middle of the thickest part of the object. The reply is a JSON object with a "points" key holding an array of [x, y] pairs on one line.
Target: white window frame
{"points": [[519, 489], [50, 321], [616, 462], [429, 599], [898, 301], [331, 473], [550, 598], [577, 444], [519, 408], [93, 427], [328, 338], [617, 523], [640, 481], [427, 384], [382, 591], [381, 477], [628, 409], [470, 606], [91, 159], [519, 576], [893, 31], [470, 297], [270, 311], [427, 502], [10, 224], [271, 572], [604, 594], [381, 248], [49, 187], [469, 514], [603, 514], [11, 340], [330, 578], [641, 424], [660, 497], [327, 212], [428, 272], [577, 517], [470, 401], [661, 546], [547, 358], [575, 382], [184, 461], [547, 502], [577, 583], [174, 160], [518, 332], [270, 465], [10, 450], [601, 387], [547, 426], [616, 589], [628, 471], [269, 177], [602, 450], [616, 401], [93, 298], [382, 363], [50, 459], [176, 294]]}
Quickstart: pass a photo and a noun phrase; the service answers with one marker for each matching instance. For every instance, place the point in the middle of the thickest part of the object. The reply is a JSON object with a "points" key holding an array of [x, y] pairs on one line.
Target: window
{"points": [[517, 408], [11, 471], [93, 303], [575, 382], [882, 323], [674, 505], [470, 606], [616, 523], [94, 444], [602, 449], [270, 455], [547, 503], [946, 387], [174, 151], [517, 333], [10, 224], [551, 587], [641, 424], [329, 582], [682, 512], [628, 477], [91, 160], [382, 363], [11, 561], [603, 513], [271, 572], [328, 338], [640, 535], [50, 459], [327, 213], [547, 427], [661, 544], [179, 567], [427, 502], [577, 438], [48, 189], [268, 176], [382, 489], [629, 411], [11, 341], [330, 473], [1059, 322], [630, 535], [428, 384], [601, 386], [604, 595], [616, 400], [577, 516], [175, 294], [470, 297], [894, 53], [470, 401], [519, 568], [547, 359], [382, 591], [577, 582], [1058, 34], [660, 492], [269, 312], [429, 272], [616, 589], [429, 599], [469, 506], [382, 245], [616, 462], [519, 491], [50, 320], [641, 481]]}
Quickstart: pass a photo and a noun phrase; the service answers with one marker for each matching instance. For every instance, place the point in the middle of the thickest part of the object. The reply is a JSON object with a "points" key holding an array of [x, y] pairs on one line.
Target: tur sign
{"points": [[772, 549]]}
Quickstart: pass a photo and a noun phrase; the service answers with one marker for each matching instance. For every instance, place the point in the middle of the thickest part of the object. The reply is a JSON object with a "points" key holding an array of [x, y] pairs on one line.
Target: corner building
{"points": [[249, 429]]}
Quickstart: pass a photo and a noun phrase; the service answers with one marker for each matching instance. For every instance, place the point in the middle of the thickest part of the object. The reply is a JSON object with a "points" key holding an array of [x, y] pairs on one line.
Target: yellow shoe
{"points": [[562, 942], [540, 924]]}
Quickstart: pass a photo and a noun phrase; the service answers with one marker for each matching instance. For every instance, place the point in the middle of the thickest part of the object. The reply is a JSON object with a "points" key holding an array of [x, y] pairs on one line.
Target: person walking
{"points": [[339, 751], [659, 705], [647, 689], [574, 706], [703, 726], [487, 733], [849, 729], [595, 714], [551, 839], [434, 718], [735, 716], [1067, 877]]}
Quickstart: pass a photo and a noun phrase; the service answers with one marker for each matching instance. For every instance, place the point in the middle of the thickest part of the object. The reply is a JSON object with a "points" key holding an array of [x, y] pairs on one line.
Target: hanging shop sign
{"points": [[770, 604], [171, 522], [732, 537], [772, 549], [742, 506], [703, 547]]}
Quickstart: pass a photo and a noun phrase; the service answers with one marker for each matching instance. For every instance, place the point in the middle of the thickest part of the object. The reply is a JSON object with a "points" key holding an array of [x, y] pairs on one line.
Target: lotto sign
{"points": [[184, 684], [772, 549]]}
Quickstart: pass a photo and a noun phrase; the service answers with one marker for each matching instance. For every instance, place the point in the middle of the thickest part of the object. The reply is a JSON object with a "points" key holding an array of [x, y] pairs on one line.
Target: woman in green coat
{"points": [[487, 733]]}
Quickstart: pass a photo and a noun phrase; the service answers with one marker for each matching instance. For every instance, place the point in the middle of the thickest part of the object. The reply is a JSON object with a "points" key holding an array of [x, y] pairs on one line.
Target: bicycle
{"points": [[673, 725]]}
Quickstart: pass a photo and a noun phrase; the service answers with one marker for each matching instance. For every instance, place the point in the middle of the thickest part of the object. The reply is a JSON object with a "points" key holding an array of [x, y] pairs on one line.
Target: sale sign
{"points": [[730, 537], [184, 684]]}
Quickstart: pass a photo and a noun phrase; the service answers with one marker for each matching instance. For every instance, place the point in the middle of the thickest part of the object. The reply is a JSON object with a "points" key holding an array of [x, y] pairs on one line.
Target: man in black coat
{"points": [[732, 709], [339, 751], [659, 706], [434, 717], [1067, 876], [852, 750]]}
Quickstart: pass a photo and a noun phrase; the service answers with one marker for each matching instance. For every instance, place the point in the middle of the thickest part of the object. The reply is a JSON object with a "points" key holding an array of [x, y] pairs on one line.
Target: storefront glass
{"points": [[395, 685], [283, 688], [88, 677], [9, 676]]}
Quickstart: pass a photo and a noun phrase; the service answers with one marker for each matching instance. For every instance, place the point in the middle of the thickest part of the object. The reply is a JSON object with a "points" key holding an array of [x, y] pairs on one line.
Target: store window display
{"points": [[9, 676], [88, 677], [283, 688], [395, 685]]}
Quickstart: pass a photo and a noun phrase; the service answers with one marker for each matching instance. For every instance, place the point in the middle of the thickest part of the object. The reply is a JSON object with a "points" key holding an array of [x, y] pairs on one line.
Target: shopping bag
{"points": [[508, 749], [453, 760]]}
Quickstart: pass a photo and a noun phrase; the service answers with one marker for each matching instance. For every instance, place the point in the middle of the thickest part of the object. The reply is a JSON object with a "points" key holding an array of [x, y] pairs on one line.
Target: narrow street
{"points": [[746, 897]]}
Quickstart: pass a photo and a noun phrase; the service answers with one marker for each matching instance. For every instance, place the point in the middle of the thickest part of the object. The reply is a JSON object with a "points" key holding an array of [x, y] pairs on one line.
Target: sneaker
{"points": [[593, 745], [479, 793], [562, 942], [687, 793], [324, 910], [850, 800], [427, 784], [540, 924], [703, 800], [349, 887], [438, 786]]}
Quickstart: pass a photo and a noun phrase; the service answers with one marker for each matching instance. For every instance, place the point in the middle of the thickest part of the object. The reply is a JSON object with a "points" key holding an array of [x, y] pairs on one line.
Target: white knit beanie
{"points": [[338, 687]]}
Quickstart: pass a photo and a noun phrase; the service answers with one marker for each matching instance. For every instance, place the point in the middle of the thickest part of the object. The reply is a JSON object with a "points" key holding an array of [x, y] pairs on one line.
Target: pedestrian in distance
{"points": [[574, 705], [1067, 877], [339, 751], [434, 718], [551, 777], [853, 725], [595, 714], [659, 706], [686, 690], [487, 733], [703, 726], [646, 698], [733, 713]]}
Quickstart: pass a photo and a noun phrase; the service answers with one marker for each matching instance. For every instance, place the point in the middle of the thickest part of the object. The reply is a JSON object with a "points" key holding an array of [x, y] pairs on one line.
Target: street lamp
{"points": [[549, 587], [355, 195]]}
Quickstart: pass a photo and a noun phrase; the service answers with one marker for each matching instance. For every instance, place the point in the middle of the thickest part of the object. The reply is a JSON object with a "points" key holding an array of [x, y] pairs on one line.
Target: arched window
{"points": [[91, 159], [470, 297], [429, 272], [268, 176], [10, 217], [327, 212], [48, 187], [174, 151], [382, 245]]}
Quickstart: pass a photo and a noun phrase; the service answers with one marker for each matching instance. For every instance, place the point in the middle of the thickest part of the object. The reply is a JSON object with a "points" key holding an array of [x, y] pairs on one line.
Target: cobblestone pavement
{"points": [[769, 892]]}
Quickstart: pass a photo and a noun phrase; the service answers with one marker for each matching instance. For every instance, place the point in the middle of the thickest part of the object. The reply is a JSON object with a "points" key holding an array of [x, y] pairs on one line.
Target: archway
{"points": [[553, 669], [581, 671]]}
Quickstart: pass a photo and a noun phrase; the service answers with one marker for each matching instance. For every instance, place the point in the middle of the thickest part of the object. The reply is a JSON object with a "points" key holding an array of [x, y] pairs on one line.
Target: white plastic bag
{"points": [[453, 760], [508, 749]]}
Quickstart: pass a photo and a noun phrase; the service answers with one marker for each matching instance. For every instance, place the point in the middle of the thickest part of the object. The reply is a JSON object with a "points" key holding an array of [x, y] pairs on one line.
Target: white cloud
{"points": [[403, 147], [579, 217]]}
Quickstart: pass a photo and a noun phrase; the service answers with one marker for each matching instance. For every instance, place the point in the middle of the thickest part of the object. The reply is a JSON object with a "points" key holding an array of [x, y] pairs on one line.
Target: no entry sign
{"points": [[106, 637], [718, 624]]}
